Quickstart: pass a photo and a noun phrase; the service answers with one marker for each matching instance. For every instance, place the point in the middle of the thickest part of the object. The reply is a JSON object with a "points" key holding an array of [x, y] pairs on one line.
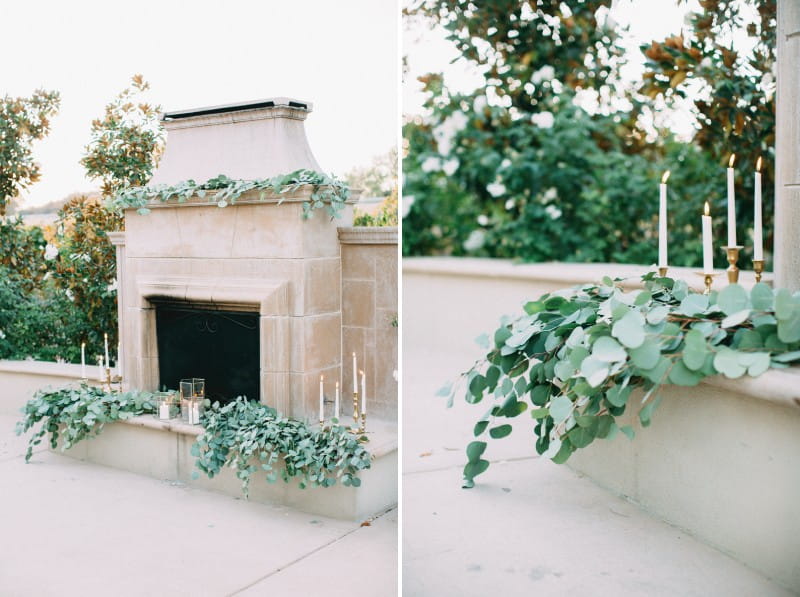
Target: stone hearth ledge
{"points": [[382, 435], [300, 194]]}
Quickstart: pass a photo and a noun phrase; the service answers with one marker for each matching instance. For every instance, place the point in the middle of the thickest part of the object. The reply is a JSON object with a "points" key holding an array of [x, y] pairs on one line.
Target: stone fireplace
{"points": [[187, 268]]}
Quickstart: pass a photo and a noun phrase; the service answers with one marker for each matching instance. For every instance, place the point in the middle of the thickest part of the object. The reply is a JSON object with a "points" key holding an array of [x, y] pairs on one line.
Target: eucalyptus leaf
{"points": [[630, 329], [732, 299]]}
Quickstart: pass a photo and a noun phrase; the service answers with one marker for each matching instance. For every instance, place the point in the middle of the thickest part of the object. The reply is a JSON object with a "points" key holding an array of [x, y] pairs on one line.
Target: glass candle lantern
{"points": [[165, 406], [193, 392]]}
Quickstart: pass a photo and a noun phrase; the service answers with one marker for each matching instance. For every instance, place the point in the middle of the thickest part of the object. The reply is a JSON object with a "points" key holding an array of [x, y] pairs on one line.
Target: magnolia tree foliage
{"points": [[126, 142], [552, 159], [23, 120], [85, 270]]}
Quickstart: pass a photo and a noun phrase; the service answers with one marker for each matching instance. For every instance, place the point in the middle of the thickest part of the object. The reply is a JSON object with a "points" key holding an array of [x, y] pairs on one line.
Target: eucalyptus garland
{"points": [[76, 413], [327, 192], [574, 359], [235, 435], [242, 434]]}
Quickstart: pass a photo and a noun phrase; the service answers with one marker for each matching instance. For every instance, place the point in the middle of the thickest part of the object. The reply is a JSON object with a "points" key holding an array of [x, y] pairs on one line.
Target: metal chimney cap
{"points": [[272, 102]]}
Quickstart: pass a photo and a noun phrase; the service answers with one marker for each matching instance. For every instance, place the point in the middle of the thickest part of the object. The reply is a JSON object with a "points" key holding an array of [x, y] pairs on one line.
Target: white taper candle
{"points": [[758, 234], [83, 360], [363, 394], [708, 253], [355, 377], [731, 205], [662, 221], [336, 402], [108, 363]]}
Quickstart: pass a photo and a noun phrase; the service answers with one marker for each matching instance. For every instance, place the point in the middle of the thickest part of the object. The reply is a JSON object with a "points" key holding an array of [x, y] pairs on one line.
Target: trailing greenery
{"points": [[235, 435], [574, 360], [76, 413], [243, 434], [328, 192]]}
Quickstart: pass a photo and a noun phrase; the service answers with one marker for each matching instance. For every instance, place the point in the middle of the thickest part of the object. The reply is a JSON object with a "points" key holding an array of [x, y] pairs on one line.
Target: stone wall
{"points": [[370, 315], [719, 460]]}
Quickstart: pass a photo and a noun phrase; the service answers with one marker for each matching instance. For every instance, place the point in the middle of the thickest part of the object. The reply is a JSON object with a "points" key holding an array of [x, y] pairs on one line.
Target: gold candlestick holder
{"points": [[733, 258], [758, 268], [662, 272], [363, 427], [355, 412], [109, 381], [708, 280]]}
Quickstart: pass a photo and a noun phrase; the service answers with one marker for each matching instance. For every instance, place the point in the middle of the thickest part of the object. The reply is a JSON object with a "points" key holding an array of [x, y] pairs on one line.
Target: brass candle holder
{"points": [[355, 412], [733, 258], [363, 427], [110, 380], [662, 272], [708, 280], [758, 268]]}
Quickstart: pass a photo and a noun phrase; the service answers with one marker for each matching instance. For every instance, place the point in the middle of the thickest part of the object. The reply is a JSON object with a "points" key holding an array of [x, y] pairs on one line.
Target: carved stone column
{"points": [[787, 148]]}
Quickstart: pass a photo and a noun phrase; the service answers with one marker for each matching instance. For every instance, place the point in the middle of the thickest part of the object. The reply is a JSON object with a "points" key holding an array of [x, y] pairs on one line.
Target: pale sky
{"points": [[343, 56]]}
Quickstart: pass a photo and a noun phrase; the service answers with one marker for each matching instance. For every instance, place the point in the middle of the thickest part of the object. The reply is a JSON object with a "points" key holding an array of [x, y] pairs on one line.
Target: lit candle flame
{"points": [[707, 210], [665, 177], [321, 377], [730, 161], [361, 372], [337, 385], [758, 164]]}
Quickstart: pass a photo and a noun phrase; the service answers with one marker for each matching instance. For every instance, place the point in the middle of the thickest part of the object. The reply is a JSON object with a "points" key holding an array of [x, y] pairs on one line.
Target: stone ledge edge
{"points": [[368, 235]]}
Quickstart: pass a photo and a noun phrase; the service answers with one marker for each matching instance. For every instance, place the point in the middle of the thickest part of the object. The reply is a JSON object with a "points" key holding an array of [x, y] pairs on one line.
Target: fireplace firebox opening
{"points": [[219, 345]]}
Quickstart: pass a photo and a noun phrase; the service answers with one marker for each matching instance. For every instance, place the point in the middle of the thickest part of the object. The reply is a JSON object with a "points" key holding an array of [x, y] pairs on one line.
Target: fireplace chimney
{"points": [[247, 140]]}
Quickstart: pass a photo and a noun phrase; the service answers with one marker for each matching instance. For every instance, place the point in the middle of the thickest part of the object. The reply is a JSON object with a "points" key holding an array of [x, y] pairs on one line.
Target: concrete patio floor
{"points": [[530, 527], [72, 528]]}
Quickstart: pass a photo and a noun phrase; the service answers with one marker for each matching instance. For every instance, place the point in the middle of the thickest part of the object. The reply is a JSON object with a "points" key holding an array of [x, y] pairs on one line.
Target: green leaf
{"points": [[761, 297], [646, 414], [500, 431], [681, 375], [657, 314], [480, 427], [628, 430], [789, 328], [445, 390], [784, 304], [617, 395], [787, 357], [541, 394], [473, 469], [594, 371], [732, 299], [580, 437], [475, 450], [646, 356], [540, 413], [693, 304], [727, 362], [694, 351], [564, 452], [560, 408], [735, 318], [608, 350], [630, 329], [757, 363]]}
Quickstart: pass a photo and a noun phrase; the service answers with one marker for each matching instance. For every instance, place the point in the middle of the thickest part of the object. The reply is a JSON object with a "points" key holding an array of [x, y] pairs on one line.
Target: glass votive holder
{"points": [[191, 410], [166, 407]]}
